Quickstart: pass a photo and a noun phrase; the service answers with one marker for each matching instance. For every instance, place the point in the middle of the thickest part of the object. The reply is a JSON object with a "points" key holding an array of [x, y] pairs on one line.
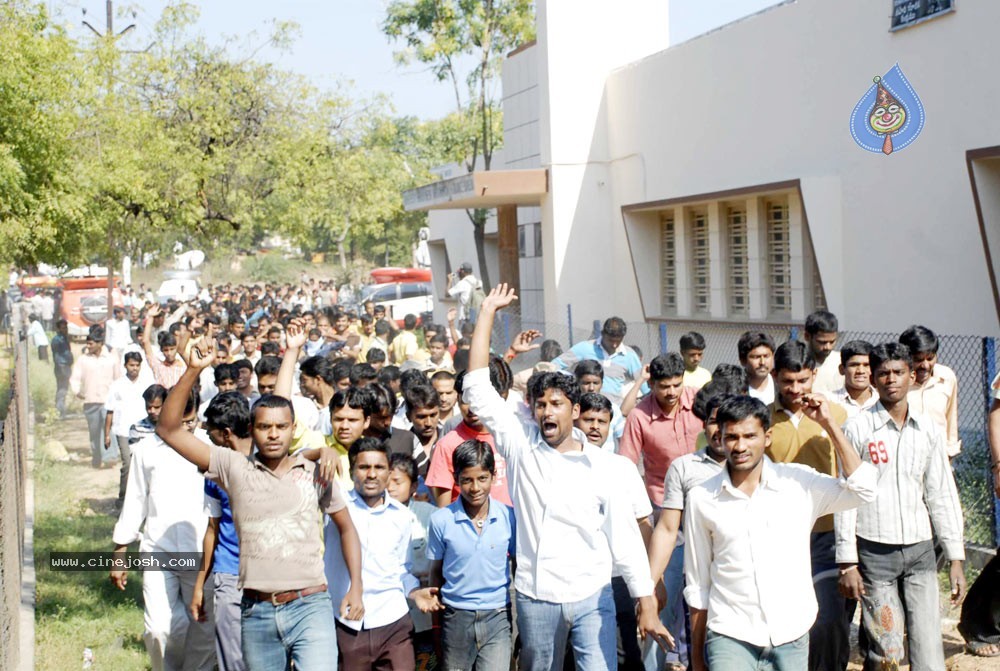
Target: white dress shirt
{"points": [[126, 402], [842, 398], [385, 561], [572, 528], [117, 333], [167, 492], [747, 559], [765, 395], [916, 488]]}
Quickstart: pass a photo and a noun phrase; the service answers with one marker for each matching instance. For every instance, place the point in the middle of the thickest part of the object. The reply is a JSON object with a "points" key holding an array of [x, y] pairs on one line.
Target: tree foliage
{"points": [[106, 152], [464, 43]]}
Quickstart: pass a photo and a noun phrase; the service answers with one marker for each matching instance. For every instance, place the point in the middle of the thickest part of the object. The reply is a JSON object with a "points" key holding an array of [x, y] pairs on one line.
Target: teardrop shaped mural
{"points": [[889, 116]]}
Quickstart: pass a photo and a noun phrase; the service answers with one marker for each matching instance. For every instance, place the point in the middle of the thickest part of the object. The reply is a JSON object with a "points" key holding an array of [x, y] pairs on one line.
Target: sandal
{"points": [[980, 649]]}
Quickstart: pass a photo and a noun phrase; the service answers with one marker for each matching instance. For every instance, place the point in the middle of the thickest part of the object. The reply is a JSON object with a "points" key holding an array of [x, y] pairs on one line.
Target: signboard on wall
{"points": [[906, 13]]}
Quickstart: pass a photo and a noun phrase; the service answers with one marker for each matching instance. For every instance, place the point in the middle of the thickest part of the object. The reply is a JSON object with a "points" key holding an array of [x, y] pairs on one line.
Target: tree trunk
{"points": [[340, 243], [479, 235]]}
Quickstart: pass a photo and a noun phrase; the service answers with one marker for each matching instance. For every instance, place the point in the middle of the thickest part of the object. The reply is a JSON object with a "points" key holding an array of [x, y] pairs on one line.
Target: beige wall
{"points": [[769, 99]]}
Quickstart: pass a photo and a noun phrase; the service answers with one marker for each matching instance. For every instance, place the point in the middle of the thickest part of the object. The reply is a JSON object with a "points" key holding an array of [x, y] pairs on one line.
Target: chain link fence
{"points": [[973, 358], [13, 443]]}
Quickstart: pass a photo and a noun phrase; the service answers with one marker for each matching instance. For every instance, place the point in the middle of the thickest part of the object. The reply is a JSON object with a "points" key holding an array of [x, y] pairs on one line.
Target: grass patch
{"points": [[77, 610]]}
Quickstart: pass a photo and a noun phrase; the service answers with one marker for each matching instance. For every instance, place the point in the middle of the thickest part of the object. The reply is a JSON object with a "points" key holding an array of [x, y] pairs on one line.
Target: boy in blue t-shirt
{"points": [[470, 545]]}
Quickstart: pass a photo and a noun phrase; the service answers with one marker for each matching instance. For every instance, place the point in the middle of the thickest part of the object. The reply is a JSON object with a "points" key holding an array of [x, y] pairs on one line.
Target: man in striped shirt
{"points": [[885, 548]]}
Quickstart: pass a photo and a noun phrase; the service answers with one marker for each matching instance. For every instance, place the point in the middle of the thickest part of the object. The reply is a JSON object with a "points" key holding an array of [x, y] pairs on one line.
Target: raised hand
{"points": [[499, 297], [295, 334], [452, 314], [202, 353], [817, 408], [522, 341]]}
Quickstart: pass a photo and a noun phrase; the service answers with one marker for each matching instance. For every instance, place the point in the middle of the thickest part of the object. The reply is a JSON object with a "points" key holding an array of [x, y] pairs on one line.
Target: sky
{"points": [[340, 40]]}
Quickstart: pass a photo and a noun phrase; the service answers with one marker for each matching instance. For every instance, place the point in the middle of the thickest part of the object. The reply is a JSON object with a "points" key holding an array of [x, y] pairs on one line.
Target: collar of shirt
{"points": [[491, 515], [767, 480], [778, 409], [685, 403], [843, 396], [387, 502], [882, 418], [298, 461]]}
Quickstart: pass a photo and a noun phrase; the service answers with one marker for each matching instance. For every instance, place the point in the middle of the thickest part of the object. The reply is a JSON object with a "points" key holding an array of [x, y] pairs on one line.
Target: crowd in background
{"points": [[746, 511]]}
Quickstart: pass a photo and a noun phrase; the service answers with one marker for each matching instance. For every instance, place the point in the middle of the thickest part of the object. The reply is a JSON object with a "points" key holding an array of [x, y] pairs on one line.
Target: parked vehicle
{"points": [[84, 303], [401, 298]]}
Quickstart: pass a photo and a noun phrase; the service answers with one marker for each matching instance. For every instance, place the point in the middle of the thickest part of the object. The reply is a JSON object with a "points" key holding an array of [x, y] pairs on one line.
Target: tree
{"points": [[41, 79], [445, 34]]}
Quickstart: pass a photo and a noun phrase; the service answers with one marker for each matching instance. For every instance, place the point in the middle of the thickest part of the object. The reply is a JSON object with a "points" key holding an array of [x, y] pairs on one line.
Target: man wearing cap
{"points": [[461, 285]]}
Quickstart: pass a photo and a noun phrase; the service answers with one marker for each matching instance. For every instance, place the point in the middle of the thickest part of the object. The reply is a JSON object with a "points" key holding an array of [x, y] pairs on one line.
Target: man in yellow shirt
{"points": [[795, 438], [404, 345]]}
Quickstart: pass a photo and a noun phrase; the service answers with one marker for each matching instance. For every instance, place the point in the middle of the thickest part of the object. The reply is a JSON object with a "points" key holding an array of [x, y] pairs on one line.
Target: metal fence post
{"points": [[793, 333], [663, 337], [569, 322], [596, 333], [506, 331], [990, 372]]}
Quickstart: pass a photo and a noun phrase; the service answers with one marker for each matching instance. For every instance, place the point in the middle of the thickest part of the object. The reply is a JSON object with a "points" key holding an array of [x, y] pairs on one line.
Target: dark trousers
{"points": [[829, 637], [387, 647], [980, 622], [630, 656], [43, 352]]}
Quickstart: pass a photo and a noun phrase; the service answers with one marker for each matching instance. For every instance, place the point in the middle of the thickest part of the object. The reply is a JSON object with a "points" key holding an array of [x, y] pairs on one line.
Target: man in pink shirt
{"points": [[662, 426], [440, 474], [91, 380]]}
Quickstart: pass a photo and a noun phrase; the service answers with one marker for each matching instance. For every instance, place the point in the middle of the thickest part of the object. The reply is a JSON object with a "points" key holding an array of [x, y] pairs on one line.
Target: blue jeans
{"points": [[672, 616], [476, 638], [901, 592], [729, 654], [589, 625], [300, 631]]}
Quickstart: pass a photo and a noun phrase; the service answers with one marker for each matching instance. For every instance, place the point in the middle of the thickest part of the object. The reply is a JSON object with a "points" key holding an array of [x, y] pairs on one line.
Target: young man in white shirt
{"points": [[164, 497], [934, 392], [857, 394], [821, 336], [746, 555], [885, 548], [756, 353], [572, 529], [125, 406], [382, 638]]}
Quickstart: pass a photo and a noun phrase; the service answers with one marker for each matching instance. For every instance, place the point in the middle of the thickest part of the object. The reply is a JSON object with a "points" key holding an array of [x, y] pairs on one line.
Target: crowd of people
{"points": [[394, 496]]}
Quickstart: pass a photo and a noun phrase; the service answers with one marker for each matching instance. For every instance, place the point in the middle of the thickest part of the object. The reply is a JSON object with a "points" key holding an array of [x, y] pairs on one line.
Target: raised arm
{"points": [[170, 426], [147, 333], [295, 339], [632, 397], [817, 408], [498, 298]]}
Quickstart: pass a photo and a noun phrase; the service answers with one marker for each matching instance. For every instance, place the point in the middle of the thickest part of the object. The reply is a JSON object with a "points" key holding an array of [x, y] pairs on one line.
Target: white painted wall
{"points": [[769, 99], [580, 42], [522, 150]]}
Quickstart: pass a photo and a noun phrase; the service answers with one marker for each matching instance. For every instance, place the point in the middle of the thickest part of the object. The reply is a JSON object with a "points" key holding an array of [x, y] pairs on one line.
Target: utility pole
{"points": [[110, 36]]}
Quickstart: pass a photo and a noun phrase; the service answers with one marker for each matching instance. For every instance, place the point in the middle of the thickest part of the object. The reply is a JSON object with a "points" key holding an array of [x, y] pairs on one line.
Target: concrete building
{"points": [[717, 180]]}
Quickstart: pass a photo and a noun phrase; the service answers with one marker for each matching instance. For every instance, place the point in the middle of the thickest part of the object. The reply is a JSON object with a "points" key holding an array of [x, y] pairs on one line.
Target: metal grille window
{"points": [[779, 263], [700, 260], [668, 267], [739, 273]]}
